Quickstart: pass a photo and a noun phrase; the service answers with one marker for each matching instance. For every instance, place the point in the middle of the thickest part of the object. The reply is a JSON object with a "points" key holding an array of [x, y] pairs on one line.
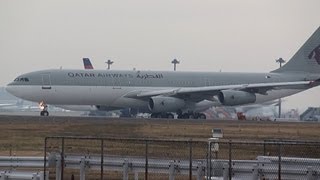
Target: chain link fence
{"points": [[111, 158]]}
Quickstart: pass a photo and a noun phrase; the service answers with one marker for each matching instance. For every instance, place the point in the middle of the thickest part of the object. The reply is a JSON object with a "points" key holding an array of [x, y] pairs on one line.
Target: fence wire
{"points": [[109, 158]]}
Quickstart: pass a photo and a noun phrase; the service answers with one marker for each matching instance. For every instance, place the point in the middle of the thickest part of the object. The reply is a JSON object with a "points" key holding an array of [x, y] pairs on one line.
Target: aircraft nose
{"points": [[11, 89], [20, 92], [7, 88]]}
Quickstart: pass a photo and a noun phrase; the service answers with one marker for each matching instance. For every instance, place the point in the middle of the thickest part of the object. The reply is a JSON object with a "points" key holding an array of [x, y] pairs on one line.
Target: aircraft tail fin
{"points": [[307, 59], [87, 63]]}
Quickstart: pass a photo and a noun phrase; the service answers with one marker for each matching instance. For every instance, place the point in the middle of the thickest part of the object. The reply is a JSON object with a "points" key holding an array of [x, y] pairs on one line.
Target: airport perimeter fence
{"points": [[113, 158]]}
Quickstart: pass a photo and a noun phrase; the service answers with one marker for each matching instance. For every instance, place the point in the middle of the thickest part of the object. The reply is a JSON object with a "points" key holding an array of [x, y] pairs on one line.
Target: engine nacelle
{"points": [[234, 98], [165, 104]]}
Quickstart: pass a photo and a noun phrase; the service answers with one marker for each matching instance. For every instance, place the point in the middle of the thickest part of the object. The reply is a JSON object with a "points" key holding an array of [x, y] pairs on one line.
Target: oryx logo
{"points": [[315, 53]]}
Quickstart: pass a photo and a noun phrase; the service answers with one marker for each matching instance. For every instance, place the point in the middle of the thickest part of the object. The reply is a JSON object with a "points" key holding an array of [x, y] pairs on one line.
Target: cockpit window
{"points": [[21, 79]]}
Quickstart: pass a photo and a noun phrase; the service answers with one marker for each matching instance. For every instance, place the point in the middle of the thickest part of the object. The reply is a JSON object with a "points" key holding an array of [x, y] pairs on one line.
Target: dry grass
{"points": [[25, 135]]}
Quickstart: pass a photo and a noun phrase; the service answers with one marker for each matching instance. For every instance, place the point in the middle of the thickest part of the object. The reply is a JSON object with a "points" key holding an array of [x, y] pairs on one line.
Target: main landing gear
{"points": [[180, 115], [162, 115], [44, 107], [192, 116]]}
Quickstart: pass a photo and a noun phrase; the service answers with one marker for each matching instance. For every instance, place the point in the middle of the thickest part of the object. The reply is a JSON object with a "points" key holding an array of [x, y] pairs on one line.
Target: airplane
{"points": [[165, 92]]}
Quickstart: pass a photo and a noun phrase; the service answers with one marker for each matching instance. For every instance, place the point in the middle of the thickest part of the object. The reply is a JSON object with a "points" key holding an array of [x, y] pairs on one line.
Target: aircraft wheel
{"points": [[44, 113], [185, 116], [153, 115], [202, 116], [156, 115], [169, 116], [191, 116]]}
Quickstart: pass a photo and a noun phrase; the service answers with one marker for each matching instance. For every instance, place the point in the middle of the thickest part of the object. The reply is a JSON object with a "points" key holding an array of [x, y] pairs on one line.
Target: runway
{"points": [[76, 117]]}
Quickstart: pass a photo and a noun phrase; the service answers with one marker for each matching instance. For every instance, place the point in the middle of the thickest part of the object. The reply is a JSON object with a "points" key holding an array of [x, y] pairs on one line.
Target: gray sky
{"points": [[206, 35]]}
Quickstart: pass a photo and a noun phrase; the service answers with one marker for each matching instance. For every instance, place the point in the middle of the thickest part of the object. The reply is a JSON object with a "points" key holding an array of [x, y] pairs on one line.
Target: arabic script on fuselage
{"points": [[150, 76]]}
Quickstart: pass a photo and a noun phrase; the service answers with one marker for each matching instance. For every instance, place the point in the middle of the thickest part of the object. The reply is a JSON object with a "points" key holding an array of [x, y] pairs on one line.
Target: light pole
{"points": [[109, 62], [280, 61], [175, 62]]}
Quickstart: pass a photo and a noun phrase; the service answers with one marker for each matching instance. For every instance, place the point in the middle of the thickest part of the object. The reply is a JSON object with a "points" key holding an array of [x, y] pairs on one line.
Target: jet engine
{"points": [[159, 104], [234, 98]]}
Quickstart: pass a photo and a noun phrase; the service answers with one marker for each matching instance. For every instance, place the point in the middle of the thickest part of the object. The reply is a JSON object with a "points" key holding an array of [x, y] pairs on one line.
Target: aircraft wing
{"points": [[202, 93]]}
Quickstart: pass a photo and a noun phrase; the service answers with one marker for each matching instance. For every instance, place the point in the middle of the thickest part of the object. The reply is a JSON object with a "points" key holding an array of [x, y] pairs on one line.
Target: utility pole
{"points": [[109, 62], [175, 62], [280, 61]]}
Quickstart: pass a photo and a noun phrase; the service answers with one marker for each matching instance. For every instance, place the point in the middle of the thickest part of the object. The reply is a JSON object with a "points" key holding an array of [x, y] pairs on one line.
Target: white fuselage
{"points": [[97, 95], [110, 88]]}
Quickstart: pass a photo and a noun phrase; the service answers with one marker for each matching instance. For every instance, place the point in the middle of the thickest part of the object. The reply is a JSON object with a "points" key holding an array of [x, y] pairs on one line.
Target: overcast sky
{"points": [[205, 35]]}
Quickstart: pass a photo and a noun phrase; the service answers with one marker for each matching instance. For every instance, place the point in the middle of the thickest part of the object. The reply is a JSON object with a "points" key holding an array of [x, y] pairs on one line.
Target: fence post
{"points": [[3, 176], [34, 175], [125, 170], [62, 157], [41, 174], [58, 168], [171, 170], [146, 166], [45, 158], [255, 172], [209, 161], [230, 156], [279, 161], [311, 175], [190, 160], [83, 169], [199, 171], [102, 155], [225, 171], [136, 175]]}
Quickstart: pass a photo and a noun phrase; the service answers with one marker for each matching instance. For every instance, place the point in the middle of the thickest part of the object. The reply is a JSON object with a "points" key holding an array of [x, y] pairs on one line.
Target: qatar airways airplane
{"points": [[163, 92]]}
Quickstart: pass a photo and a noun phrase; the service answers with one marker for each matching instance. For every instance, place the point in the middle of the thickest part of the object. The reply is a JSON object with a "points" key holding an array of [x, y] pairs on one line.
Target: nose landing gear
{"points": [[44, 107]]}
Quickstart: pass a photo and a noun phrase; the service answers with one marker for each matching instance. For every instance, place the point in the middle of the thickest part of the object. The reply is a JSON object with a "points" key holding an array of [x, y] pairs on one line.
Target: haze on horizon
{"points": [[207, 35]]}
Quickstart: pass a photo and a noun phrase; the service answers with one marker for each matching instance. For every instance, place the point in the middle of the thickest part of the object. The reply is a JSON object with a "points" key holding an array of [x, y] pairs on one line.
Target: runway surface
{"points": [[75, 117]]}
